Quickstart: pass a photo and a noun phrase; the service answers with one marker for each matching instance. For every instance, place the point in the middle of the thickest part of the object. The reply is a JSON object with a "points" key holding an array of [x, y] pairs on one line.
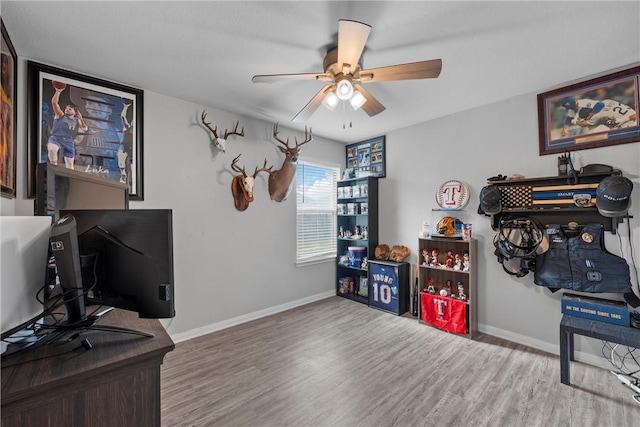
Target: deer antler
{"points": [[264, 168], [236, 168], [215, 130], [275, 135], [235, 131], [307, 137]]}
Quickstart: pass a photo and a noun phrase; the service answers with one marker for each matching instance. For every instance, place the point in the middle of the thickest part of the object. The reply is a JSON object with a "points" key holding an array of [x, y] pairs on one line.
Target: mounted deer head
{"points": [[242, 185], [221, 142], [280, 180]]}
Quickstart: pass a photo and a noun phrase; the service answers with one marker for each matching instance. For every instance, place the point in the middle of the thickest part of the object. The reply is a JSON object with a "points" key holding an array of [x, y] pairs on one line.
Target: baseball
{"points": [[452, 194]]}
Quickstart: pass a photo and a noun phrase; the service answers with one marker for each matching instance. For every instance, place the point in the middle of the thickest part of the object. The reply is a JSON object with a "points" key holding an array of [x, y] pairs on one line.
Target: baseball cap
{"points": [[613, 196], [490, 196], [568, 102]]}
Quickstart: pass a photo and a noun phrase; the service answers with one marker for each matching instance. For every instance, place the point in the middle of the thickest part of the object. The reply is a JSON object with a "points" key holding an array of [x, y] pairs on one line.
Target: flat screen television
{"points": [[59, 188], [127, 259]]}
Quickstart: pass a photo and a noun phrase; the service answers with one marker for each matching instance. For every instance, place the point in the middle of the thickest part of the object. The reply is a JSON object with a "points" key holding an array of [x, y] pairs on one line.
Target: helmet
{"points": [[448, 225], [519, 239], [568, 102]]}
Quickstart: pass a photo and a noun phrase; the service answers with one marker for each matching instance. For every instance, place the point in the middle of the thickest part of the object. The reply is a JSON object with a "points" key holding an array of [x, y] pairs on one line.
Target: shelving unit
{"points": [[519, 197], [357, 210], [433, 308]]}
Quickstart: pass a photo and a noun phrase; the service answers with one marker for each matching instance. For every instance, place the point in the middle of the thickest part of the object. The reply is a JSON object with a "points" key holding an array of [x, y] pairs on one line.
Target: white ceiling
{"points": [[207, 51]]}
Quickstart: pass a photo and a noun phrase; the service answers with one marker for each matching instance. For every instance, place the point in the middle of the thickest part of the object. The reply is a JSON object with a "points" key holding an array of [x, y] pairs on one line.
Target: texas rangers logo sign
{"points": [[453, 194]]}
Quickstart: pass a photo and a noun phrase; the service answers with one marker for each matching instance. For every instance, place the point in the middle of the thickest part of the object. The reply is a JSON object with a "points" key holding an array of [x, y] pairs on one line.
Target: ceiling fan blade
{"points": [[271, 78], [414, 70], [304, 114], [352, 36], [372, 106]]}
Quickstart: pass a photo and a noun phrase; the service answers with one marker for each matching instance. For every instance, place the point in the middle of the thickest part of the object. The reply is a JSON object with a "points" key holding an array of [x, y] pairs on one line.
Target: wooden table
{"points": [[116, 383], [570, 325]]}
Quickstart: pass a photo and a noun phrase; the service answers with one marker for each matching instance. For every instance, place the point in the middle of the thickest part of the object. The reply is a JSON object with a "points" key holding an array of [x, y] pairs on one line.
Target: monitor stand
{"points": [[90, 323]]}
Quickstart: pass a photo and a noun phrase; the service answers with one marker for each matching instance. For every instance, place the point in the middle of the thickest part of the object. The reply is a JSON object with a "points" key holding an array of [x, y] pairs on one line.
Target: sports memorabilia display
{"points": [[357, 236], [389, 286], [399, 253], [452, 194], [446, 274], [560, 199], [449, 226]]}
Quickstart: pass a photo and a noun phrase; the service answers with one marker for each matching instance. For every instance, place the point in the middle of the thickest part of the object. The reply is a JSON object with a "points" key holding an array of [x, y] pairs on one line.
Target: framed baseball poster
{"points": [[367, 158], [594, 113], [389, 286]]}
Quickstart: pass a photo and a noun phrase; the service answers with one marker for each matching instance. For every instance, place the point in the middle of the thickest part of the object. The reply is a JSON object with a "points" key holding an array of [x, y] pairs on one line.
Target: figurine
{"points": [[425, 255], [431, 288], [457, 262], [434, 257], [461, 293], [448, 263], [357, 232], [341, 232], [449, 254], [466, 262]]}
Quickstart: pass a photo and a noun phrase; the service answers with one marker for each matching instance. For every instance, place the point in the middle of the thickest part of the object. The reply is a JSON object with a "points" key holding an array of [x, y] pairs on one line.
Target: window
{"points": [[316, 212]]}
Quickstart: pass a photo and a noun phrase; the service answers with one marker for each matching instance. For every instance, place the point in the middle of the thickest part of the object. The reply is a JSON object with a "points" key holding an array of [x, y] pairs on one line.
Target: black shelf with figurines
{"points": [[447, 284], [357, 217]]}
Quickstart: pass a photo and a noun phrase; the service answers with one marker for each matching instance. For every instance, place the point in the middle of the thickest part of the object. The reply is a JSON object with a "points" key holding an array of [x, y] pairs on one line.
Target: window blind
{"points": [[316, 228]]}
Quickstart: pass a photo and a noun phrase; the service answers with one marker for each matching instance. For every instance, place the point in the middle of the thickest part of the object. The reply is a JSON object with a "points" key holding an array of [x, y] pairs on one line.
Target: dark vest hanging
{"points": [[581, 263]]}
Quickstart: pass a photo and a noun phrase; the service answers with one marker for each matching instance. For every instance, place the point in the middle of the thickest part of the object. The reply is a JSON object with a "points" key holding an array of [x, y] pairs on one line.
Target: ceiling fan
{"points": [[344, 76]]}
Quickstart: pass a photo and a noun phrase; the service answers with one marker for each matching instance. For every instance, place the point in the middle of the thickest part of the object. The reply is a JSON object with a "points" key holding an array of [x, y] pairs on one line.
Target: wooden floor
{"points": [[340, 363]]}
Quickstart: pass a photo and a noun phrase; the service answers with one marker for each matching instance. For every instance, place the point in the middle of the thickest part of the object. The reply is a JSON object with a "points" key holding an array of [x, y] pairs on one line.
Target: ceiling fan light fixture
{"points": [[344, 89], [357, 100], [330, 101]]}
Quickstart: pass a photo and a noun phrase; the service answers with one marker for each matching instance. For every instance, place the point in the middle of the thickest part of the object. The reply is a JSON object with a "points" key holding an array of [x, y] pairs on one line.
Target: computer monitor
{"points": [[58, 188], [127, 259], [64, 247]]}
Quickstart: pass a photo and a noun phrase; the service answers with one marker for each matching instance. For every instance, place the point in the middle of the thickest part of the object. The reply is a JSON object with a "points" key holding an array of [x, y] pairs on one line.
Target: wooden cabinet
{"points": [[447, 283], [357, 235], [116, 383]]}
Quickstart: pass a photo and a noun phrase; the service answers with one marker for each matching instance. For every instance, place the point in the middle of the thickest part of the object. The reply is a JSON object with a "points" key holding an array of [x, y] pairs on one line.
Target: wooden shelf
{"points": [[517, 200], [441, 275]]}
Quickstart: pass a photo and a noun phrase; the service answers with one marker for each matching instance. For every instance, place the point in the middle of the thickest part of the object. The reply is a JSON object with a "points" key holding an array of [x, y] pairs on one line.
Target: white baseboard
{"points": [[579, 356], [203, 330]]}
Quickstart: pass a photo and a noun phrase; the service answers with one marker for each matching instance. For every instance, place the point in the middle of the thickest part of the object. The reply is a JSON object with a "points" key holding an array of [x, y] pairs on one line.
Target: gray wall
{"points": [[471, 146]]}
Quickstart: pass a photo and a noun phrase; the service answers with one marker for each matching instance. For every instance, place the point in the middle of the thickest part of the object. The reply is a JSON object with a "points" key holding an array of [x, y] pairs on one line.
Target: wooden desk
{"points": [[570, 325], [116, 383]]}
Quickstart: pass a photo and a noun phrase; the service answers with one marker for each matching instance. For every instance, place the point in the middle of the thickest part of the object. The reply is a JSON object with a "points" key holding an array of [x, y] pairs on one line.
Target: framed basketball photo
{"points": [[86, 124]]}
